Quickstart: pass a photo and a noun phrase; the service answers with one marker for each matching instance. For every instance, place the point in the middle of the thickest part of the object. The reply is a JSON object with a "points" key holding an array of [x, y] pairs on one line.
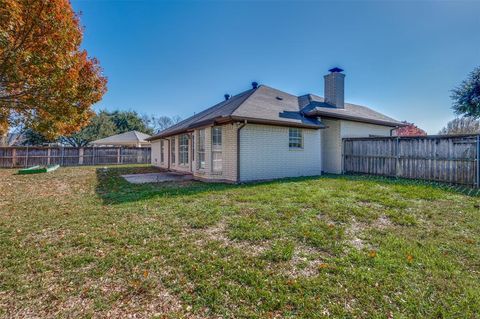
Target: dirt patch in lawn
{"points": [[219, 233]]}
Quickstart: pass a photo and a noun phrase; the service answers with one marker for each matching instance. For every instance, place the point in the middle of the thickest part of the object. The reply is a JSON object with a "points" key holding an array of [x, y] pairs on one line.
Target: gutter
{"points": [[238, 149], [355, 119]]}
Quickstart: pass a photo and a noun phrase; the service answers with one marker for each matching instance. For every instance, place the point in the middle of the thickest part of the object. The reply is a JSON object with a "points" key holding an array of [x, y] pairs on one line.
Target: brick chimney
{"points": [[335, 87]]}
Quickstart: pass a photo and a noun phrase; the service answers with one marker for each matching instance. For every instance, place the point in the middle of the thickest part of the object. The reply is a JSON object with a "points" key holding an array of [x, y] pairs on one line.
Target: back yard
{"points": [[81, 242]]}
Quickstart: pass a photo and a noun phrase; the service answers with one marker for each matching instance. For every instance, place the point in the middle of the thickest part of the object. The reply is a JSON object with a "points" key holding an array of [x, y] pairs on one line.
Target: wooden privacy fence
{"points": [[450, 159], [70, 156]]}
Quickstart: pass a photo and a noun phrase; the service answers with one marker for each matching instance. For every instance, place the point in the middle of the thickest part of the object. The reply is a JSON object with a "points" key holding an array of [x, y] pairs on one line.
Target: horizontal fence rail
{"points": [[17, 157], [450, 159]]}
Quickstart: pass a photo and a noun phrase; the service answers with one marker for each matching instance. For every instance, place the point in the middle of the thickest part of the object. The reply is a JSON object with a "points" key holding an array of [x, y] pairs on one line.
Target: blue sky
{"points": [[176, 58]]}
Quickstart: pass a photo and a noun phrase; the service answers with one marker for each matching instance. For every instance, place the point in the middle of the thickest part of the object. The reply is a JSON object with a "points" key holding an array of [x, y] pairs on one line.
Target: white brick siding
{"points": [[332, 140], [264, 153], [356, 129], [229, 155], [331, 147], [155, 155]]}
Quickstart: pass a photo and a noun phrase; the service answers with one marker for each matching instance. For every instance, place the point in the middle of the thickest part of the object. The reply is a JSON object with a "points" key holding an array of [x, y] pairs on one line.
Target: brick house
{"points": [[264, 133]]}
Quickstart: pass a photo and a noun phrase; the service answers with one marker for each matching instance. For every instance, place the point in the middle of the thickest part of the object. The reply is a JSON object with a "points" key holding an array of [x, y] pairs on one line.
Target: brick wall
{"points": [[331, 147], [332, 140], [265, 153], [356, 129], [229, 155]]}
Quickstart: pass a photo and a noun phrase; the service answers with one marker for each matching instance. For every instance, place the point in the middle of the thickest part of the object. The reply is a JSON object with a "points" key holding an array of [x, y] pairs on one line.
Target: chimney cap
{"points": [[227, 97], [254, 85], [335, 70]]}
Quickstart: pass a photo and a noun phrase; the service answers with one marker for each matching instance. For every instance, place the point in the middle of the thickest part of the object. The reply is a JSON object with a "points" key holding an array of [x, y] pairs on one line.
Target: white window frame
{"points": [[217, 155], [295, 138], [183, 149], [201, 162]]}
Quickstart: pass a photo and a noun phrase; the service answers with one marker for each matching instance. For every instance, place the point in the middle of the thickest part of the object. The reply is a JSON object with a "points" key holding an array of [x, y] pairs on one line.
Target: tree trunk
{"points": [[4, 139]]}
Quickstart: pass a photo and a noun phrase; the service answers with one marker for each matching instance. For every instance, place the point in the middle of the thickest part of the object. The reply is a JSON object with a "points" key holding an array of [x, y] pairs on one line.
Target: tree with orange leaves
{"points": [[47, 82], [410, 129]]}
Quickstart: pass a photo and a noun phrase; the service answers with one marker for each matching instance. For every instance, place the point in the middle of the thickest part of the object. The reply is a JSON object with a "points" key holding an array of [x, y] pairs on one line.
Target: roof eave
{"points": [[228, 119], [277, 123], [355, 118]]}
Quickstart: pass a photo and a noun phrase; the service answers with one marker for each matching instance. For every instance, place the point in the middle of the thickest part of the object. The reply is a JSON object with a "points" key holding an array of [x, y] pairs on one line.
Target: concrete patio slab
{"points": [[157, 177]]}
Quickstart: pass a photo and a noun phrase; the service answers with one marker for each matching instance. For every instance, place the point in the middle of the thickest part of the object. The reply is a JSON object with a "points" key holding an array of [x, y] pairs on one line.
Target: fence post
{"points": [[93, 155], [397, 157], [118, 155], [478, 161], [48, 155], [26, 157]]}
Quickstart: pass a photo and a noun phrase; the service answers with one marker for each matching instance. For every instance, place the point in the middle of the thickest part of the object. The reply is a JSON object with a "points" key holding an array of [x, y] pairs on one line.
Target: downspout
{"points": [[393, 129], [238, 149]]}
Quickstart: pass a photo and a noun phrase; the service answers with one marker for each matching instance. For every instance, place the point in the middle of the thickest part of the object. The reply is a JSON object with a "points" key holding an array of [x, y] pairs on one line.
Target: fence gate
{"points": [[451, 159]]}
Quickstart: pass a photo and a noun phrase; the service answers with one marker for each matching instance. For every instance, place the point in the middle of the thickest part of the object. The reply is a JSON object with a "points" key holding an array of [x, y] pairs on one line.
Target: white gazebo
{"points": [[132, 138]]}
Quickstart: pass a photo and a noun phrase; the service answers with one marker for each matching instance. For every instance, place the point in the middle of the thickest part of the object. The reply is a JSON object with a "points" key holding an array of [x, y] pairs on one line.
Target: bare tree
{"points": [[161, 123], [461, 125]]}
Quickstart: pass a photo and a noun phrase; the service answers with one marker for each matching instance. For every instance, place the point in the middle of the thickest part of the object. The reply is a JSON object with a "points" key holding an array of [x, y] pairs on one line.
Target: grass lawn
{"points": [[82, 242]]}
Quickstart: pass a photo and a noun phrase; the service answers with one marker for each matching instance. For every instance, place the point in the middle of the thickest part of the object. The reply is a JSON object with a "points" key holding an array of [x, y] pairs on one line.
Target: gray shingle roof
{"points": [[222, 109], [313, 105], [268, 105], [124, 138]]}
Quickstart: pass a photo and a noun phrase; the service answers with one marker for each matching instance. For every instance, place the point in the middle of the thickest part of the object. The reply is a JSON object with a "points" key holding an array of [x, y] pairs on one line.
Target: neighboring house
{"points": [[264, 133], [132, 138]]}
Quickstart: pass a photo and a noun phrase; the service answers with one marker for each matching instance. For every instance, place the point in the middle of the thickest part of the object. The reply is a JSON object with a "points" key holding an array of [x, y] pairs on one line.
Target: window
{"points": [[295, 138], [172, 147], [201, 149], [162, 149], [183, 150], [217, 149]]}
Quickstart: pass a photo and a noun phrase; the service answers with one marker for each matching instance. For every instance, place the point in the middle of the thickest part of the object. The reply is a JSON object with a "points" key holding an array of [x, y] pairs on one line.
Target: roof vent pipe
{"points": [[254, 85], [227, 97]]}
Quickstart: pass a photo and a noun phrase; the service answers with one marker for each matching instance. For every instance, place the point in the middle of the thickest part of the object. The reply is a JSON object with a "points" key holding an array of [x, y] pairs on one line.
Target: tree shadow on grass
{"points": [[113, 189]]}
